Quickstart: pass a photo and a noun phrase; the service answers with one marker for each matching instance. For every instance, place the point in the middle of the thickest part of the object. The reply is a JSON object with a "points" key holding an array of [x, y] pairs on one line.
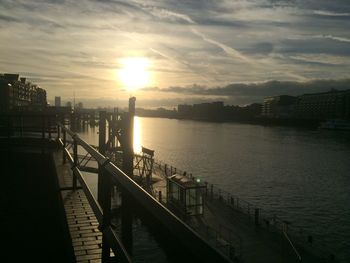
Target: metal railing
{"points": [[24, 125], [295, 236], [112, 175]]}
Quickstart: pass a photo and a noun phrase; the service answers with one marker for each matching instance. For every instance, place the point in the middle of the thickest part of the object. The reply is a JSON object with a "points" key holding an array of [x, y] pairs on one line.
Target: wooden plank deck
{"points": [[82, 223]]}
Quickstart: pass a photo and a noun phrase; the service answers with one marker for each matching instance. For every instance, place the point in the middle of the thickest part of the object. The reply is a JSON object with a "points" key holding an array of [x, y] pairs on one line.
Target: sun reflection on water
{"points": [[137, 135]]}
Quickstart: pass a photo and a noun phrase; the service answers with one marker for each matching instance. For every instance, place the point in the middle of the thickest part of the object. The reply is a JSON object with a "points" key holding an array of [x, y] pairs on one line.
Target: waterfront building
{"points": [[16, 93], [333, 104], [281, 106], [57, 101], [184, 110], [208, 111]]}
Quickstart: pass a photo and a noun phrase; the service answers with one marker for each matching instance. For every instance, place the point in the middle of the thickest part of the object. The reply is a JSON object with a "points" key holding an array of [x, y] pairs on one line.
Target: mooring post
{"points": [[75, 159], [256, 217]]}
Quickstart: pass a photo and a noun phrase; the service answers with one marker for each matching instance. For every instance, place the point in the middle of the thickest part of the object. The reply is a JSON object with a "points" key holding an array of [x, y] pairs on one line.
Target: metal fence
{"points": [[296, 236]]}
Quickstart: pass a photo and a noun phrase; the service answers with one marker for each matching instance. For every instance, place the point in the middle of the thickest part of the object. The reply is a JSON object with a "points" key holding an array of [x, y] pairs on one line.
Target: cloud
{"points": [[6, 18], [255, 92], [341, 39], [228, 50], [329, 13], [72, 45]]}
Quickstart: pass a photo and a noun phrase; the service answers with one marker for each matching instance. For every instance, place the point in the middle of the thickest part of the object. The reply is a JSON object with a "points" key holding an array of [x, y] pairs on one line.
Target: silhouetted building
{"points": [[184, 110], [208, 111], [282, 106], [57, 101], [324, 105], [16, 93]]}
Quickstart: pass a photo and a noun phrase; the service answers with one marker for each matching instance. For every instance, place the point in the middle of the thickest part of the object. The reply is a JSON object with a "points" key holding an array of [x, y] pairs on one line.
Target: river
{"points": [[301, 175]]}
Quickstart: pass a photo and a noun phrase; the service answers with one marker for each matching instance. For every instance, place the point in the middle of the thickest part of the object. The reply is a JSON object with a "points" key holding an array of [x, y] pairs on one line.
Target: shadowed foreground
{"points": [[31, 210]]}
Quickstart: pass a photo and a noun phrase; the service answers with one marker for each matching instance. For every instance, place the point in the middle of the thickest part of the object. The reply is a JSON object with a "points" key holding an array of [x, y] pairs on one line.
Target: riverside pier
{"points": [[50, 209]]}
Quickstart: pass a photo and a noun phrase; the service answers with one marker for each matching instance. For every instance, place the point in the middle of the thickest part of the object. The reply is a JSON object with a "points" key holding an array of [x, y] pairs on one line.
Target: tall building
{"points": [[57, 101], [17, 93], [281, 106], [324, 105]]}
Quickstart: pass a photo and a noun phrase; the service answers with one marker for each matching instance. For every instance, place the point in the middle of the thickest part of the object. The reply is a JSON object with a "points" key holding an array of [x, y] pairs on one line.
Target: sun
{"points": [[133, 73]]}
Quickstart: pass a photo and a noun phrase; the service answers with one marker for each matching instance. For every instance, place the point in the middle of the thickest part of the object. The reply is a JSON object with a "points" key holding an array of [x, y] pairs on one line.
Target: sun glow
{"points": [[137, 135], [134, 74]]}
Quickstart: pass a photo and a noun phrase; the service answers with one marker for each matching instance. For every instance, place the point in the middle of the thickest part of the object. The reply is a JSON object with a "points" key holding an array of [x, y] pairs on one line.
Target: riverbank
{"points": [[289, 122]]}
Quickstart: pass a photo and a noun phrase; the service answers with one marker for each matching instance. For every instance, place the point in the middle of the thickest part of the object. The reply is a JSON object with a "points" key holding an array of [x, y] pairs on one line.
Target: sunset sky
{"points": [[192, 51]]}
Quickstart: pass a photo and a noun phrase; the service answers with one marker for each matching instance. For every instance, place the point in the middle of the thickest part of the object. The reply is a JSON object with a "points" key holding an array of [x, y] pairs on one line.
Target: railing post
{"points": [[75, 158], [42, 127], [49, 125], [21, 128], [102, 150], [160, 196], [104, 187], [58, 132], [128, 168], [64, 158], [8, 128]]}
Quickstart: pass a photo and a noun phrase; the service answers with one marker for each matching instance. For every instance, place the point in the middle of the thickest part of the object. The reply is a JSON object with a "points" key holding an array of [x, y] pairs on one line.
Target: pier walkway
{"points": [[51, 215], [81, 220]]}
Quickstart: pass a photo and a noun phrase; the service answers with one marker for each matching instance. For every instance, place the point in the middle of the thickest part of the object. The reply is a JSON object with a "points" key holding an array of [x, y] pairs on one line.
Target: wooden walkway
{"points": [[82, 223]]}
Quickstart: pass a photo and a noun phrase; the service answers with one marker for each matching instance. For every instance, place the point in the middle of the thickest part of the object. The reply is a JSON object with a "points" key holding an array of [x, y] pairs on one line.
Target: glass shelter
{"points": [[185, 195]]}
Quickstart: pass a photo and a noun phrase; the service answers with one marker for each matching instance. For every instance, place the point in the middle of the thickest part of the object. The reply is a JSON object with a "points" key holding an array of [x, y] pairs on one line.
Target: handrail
{"points": [[292, 245], [171, 222]]}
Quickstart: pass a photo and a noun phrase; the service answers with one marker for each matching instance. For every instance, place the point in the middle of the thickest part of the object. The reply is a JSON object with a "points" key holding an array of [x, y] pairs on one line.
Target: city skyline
{"points": [[196, 51]]}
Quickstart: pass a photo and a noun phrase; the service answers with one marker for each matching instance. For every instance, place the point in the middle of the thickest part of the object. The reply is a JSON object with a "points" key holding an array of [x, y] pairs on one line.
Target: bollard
{"points": [[256, 216], [310, 239]]}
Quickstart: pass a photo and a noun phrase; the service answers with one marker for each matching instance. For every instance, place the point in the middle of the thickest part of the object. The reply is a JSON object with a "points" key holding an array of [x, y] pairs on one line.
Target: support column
{"points": [[128, 168], [104, 188]]}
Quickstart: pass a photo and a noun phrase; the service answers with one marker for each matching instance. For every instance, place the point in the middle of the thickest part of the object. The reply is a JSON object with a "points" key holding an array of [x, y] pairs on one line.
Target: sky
{"points": [[238, 51]]}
